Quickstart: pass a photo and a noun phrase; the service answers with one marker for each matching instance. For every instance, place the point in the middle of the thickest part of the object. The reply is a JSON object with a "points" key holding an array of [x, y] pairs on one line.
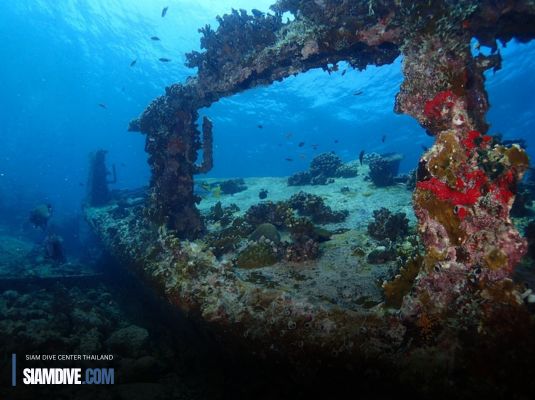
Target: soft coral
{"points": [[504, 187], [434, 108], [456, 197], [466, 193], [474, 139]]}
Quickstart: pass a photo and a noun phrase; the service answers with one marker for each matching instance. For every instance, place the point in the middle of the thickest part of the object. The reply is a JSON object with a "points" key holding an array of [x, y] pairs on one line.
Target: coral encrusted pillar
{"points": [[172, 154], [466, 182]]}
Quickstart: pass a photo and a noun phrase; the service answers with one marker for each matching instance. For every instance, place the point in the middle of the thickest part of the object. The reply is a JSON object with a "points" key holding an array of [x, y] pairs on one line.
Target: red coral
{"points": [[477, 177], [503, 188], [445, 193], [459, 196], [462, 213], [433, 109], [474, 139], [470, 141]]}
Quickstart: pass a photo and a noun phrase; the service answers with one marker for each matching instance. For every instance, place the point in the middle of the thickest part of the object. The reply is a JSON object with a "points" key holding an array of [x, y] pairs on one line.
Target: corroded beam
{"points": [[245, 51]]}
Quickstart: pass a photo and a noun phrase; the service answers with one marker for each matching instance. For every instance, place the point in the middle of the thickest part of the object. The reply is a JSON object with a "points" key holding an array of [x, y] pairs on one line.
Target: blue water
{"points": [[60, 59]]}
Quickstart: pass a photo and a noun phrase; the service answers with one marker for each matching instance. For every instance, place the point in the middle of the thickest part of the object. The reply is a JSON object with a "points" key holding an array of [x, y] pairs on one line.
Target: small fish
{"points": [[216, 192], [205, 186], [81, 184], [361, 156], [260, 126], [301, 144], [383, 139], [358, 93], [302, 156], [164, 59], [315, 147], [335, 140], [164, 11], [154, 38], [289, 159], [288, 135], [344, 72], [102, 105], [424, 148], [133, 62]]}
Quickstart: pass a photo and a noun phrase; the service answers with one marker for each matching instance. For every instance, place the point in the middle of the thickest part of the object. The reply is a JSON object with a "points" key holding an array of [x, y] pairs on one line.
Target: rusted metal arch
{"points": [[440, 71]]}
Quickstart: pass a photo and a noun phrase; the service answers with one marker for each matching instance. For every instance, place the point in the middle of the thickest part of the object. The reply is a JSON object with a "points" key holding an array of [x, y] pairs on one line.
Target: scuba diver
{"points": [[52, 244], [40, 215]]}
